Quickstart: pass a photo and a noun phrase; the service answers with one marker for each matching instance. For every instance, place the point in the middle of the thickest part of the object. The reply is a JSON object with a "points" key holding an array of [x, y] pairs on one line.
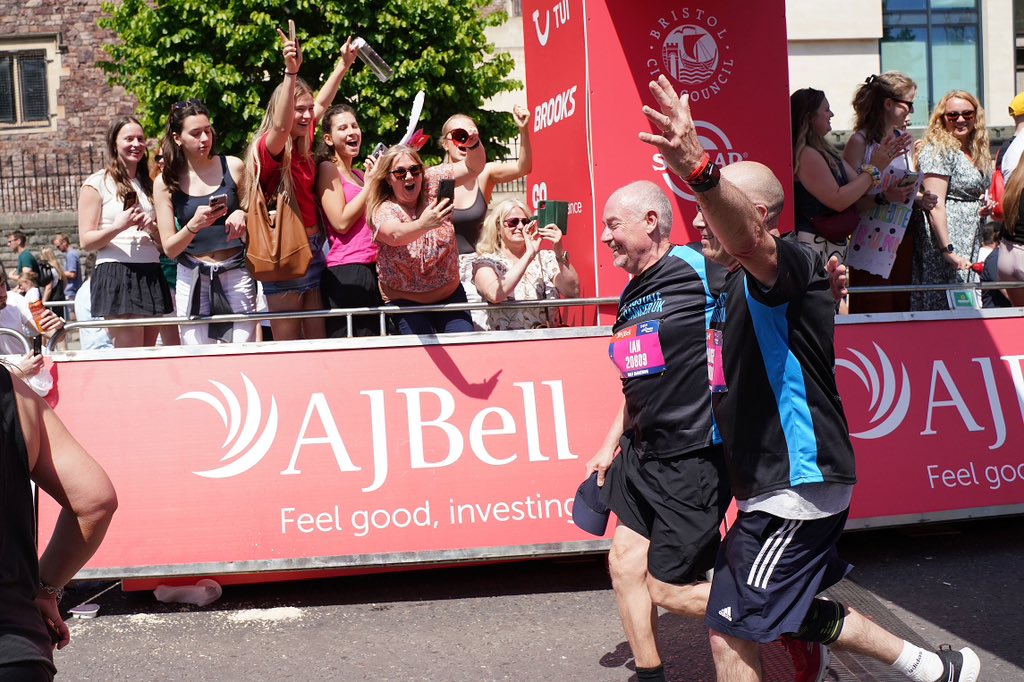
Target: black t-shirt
{"points": [[659, 348], [781, 418]]}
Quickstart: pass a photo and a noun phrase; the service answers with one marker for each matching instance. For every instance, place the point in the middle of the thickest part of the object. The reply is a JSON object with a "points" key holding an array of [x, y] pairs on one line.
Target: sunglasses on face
{"points": [[952, 116], [516, 222], [459, 135], [178, 106], [907, 103], [412, 171]]}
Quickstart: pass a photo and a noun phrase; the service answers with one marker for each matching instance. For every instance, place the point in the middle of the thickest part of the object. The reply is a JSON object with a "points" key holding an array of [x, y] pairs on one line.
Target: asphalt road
{"points": [[959, 584]]}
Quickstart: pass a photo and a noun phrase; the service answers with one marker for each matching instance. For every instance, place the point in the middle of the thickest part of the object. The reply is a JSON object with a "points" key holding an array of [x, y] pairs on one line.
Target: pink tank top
{"points": [[356, 245]]}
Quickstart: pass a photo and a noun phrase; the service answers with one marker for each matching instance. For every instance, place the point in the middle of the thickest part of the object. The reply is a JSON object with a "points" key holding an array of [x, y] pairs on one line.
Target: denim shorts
{"points": [[308, 282]]}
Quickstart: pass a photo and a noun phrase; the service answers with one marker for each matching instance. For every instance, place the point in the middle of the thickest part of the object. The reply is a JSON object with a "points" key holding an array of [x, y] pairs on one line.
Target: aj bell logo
{"points": [[691, 47], [715, 142], [890, 399], [561, 11], [248, 444]]}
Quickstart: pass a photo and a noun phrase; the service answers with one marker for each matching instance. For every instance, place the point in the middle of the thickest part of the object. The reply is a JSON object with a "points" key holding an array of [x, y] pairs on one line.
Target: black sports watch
{"points": [[708, 179], [948, 248]]}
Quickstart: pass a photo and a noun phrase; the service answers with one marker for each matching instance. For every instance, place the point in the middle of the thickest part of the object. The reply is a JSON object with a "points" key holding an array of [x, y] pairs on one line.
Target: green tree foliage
{"points": [[228, 54]]}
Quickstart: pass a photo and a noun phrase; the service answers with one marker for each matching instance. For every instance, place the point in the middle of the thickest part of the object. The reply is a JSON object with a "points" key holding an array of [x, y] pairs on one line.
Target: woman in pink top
{"points": [[350, 280], [281, 153], [417, 256]]}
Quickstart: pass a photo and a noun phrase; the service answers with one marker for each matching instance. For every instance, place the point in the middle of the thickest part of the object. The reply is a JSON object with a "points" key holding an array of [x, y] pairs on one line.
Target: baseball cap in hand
{"points": [[588, 512]]}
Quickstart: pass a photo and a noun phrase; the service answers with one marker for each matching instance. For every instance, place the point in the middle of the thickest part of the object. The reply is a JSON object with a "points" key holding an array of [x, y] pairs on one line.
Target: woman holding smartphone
{"points": [[281, 156], [417, 257], [511, 267], [350, 280], [203, 227], [883, 105], [115, 219], [473, 193]]}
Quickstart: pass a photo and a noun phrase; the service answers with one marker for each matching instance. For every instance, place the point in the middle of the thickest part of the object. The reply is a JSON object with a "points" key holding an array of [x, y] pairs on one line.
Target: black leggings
{"points": [[32, 671]]}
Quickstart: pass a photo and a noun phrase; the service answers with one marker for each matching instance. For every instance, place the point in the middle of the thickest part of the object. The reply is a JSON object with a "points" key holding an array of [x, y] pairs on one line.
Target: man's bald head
{"points": [[642, 196], [759, 184]]}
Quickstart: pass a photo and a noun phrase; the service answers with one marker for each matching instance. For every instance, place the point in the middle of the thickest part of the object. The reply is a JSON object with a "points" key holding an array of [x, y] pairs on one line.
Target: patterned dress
{"points": [[537, 284], [963, 201]]}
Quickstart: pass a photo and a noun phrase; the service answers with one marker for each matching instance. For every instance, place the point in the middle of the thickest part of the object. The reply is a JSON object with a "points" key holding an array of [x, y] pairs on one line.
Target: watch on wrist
{"points": [[563, 258], [708, 179], [948, 248], [880, 200]]}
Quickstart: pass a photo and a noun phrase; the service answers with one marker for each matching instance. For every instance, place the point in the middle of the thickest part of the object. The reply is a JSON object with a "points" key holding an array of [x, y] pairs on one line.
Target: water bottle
{"points": [[35, 306], [204, 592], [379, 67]]}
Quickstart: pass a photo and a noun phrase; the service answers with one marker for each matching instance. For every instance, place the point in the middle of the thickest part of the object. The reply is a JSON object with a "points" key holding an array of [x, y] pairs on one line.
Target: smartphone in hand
{"points": [[37, 344], [446, 190], [131, 200], [377, 151], [219, 202]]}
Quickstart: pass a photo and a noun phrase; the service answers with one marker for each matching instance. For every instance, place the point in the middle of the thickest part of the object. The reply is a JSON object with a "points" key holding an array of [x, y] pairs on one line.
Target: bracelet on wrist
{"points": [[190, 229], [51, 592], [291, 73], [707, 180], [876, 175], [702, 166]]}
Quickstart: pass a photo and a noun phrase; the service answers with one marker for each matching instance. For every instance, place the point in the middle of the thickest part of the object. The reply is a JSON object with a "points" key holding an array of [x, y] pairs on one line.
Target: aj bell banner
{"points": [[342, 455]]}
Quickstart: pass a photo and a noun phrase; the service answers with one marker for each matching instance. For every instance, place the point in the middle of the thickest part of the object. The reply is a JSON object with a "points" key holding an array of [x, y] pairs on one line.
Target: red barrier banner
{"points": [[438, 453]]}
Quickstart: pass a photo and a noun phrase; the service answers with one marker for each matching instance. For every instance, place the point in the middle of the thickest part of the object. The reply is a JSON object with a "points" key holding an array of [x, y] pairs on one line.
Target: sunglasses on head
{"points": [[178, 106], [401, 173], [459, 135], [515, 222], [952, 116]]}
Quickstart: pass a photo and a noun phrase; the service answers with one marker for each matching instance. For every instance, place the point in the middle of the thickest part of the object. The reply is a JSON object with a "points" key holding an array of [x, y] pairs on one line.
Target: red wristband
{"points": [[705, 160]]}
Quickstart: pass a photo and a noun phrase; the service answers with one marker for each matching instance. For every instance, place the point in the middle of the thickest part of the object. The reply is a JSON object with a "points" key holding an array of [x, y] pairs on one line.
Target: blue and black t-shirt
{"points": [[659, 348], [781, 418]]}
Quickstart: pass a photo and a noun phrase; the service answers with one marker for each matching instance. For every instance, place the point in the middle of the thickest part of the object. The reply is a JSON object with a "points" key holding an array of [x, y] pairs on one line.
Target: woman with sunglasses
{"points": [[417, 257], [956, 162], [473, 193], [203, 227], [884, 104], [511, 267], [115, 220], [826, 187], [280, 157], [350, 280]]}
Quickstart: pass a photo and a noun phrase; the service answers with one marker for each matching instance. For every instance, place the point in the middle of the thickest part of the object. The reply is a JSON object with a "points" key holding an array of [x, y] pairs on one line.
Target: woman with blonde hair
{"points": [[56, 280], [955, 160], [826, 187], [417, 257], [281, 156], [511, 267]]}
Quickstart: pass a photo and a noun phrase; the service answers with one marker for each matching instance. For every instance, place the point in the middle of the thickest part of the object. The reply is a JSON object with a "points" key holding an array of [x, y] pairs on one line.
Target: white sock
{"points": [[918, 664]]}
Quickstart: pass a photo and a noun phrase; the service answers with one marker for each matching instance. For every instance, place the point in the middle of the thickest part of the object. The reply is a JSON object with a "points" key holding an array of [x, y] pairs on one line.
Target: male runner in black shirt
{"points": [[787, 446]]}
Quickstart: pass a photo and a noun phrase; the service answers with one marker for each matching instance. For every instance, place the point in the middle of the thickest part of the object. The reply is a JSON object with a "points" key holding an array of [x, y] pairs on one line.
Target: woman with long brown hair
{"points": [[115, 219], [956, 162], [1011, 243], [281, 155]]}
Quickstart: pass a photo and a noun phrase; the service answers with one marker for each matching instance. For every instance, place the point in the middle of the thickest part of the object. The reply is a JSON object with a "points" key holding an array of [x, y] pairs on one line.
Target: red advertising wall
{"points": [[730, 57], [374, 456]]}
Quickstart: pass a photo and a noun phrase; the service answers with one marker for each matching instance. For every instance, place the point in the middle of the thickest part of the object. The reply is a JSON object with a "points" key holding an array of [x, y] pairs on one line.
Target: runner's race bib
{"points": [[716, 364], [636, 350]]}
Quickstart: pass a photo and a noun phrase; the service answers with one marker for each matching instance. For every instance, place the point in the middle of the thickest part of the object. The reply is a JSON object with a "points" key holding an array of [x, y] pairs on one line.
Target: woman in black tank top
{"points": [[473, 194], [202, 226], [34, 448]]}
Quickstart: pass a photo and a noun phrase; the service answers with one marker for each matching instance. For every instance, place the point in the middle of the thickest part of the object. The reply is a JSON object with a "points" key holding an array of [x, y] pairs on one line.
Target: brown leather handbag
{"points": [[278, 249]]}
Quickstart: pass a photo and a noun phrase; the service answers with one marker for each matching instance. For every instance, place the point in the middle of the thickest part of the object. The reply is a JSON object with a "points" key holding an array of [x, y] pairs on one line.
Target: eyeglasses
{"points": [[401, 173], [516, 222], [178, 106], [952, 116], [907, 103]]}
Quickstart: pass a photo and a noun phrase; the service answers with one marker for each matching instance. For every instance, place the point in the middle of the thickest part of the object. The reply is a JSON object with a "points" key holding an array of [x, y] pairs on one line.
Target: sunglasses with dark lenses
{"points": [[401, 173], [952, 116], [905, 102], [459, 135], [516, 222], [178, 106]]}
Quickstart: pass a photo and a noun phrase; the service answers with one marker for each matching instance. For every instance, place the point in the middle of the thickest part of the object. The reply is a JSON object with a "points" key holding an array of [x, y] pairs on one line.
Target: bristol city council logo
{"points": [[890, 397], [691, 47], [249, 438]]}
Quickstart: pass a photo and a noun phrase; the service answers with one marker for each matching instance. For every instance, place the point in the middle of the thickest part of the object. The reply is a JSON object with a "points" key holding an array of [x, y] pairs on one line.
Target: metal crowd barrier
{"points": [[18, 335]]}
